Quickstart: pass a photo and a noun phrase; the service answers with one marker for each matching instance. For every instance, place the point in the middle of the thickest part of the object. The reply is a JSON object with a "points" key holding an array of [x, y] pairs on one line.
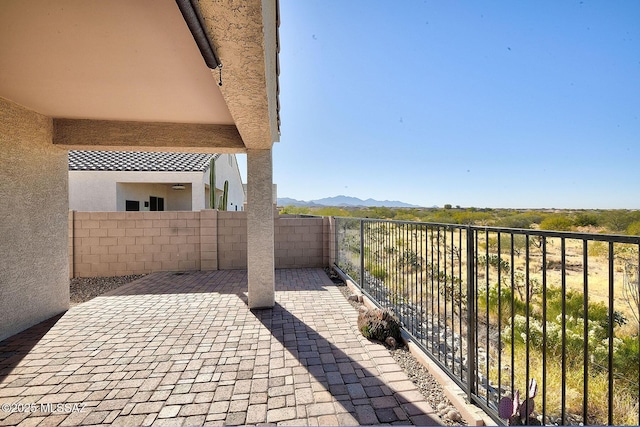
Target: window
{"points": [[132, 205], [156, 203]]}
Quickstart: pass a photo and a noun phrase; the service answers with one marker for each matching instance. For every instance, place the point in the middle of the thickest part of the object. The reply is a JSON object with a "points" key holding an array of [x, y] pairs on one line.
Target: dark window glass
{"points": [[156, 203], [132, 205]]}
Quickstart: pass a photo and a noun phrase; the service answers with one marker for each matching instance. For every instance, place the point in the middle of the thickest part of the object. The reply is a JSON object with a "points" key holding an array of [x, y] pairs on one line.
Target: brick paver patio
{"points": [[184, 349]]}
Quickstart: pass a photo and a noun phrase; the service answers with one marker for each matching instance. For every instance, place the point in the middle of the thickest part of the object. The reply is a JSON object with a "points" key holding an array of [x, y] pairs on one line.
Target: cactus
{"points": [[225, 196], [212, 182], [517, 412]]}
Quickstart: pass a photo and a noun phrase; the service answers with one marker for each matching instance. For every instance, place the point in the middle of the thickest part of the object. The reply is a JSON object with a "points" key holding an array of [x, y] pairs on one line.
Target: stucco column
{"points": [[260, 243], [197, 196]]}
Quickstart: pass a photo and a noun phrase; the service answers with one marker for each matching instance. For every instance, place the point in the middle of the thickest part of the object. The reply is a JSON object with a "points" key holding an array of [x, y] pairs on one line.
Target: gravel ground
{"points": [[424, 381], [84, 289]]}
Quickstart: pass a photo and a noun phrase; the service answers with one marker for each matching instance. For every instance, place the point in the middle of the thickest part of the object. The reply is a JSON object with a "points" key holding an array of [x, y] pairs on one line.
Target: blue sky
{"points": [[476, 103]]}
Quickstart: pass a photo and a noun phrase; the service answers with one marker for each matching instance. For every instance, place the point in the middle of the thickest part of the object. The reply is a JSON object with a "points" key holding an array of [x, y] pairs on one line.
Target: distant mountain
{"points": [[344, 201]]}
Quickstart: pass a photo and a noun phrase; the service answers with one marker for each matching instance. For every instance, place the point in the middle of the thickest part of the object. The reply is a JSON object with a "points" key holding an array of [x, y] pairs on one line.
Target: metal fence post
{"points": [[471, 316], [362, 253]]}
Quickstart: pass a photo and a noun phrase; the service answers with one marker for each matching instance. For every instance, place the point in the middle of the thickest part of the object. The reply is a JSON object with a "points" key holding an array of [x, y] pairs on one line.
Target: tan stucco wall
{"points": [[34, 276], [120, 243]]}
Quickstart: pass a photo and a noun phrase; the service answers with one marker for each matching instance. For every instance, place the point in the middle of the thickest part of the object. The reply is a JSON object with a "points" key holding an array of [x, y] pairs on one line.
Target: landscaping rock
{"points": [[391, 342]]}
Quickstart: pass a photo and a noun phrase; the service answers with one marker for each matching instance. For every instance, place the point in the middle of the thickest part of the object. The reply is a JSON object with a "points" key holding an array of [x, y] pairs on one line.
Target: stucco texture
{"points": [[34, 270]]}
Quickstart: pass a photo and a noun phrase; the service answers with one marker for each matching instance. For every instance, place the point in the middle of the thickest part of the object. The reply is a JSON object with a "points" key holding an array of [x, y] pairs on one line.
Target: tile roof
{"points": [[138, 161]]}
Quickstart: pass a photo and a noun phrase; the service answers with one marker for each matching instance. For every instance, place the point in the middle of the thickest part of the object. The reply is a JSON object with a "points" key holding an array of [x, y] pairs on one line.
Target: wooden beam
{"points": [[81, 134]]}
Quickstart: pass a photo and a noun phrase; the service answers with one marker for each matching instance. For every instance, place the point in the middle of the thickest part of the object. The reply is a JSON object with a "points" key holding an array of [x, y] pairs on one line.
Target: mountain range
{"points": [[344, 201]]}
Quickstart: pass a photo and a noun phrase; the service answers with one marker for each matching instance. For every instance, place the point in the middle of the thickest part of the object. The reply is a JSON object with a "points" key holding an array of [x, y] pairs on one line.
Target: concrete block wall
{"points": [[232, 240], [208, 239], [299, 242], [121, 243]]}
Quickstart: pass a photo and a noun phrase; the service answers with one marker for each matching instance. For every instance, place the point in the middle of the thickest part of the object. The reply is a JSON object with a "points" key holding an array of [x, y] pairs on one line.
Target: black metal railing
{"points": [[498, 307]]}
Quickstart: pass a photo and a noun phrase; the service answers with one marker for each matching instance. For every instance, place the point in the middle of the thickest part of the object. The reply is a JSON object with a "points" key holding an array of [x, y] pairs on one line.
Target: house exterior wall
{"points": [[227, 169], [34, 262], [174, 200], [121, 243], [107, 191]]}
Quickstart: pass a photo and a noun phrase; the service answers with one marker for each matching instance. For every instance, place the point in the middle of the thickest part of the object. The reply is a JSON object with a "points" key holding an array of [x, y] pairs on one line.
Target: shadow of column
{"points": [[356, 388], [15, 348]]}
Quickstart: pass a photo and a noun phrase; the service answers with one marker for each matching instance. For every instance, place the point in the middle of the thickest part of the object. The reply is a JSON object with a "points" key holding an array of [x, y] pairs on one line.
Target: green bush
{"points": [[619, 220], [377, 271], [488, 300], [520, 220], [410, 258], [556, 223], [634, 229], [574, 336], [587, 219], [494, 261], [626, 360]]}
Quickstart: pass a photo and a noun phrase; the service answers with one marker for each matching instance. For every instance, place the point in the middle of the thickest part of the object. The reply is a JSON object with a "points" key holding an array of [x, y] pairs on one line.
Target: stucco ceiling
{"points": [[131, 60]]}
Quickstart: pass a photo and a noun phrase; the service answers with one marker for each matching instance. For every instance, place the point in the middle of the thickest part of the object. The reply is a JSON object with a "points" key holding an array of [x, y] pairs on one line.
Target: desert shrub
{"points": [[331, 211], [574, 336], [519, 243], [442, 216], [377, 271], [520, 220], [494, 261], [619, 220], [469, 217], [295, 210], [352, 243], [598, 249], [383, 212], [626, 359], [379, 324], [586, 219], [574, 305], [410, 258], [634, 229], [556, 223], [499, 304]]}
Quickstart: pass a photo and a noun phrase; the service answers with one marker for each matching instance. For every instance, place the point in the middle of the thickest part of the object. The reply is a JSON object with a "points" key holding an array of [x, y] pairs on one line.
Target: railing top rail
{"points": [[395, 221], [616, 238]]}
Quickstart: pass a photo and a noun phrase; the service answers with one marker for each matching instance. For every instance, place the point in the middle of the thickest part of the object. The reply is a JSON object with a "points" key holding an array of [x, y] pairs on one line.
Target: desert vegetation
{"points": [[559, 308], [615, 221]]}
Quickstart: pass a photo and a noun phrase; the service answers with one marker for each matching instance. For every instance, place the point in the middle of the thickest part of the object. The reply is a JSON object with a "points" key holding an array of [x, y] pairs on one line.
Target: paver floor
{"points": [[184, 349]]}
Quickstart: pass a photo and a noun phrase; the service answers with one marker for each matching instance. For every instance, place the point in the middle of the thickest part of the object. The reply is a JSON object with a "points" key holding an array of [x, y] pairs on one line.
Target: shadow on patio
{"points": [[185, 350]]}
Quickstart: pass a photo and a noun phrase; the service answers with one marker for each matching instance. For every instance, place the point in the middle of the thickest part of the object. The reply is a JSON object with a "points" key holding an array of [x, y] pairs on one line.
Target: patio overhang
{"points": [[128, 67], [125, 75]]}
